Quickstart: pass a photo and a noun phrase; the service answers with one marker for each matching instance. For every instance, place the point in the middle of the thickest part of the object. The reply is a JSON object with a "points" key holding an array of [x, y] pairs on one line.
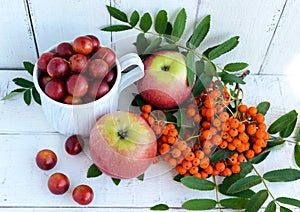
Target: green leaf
{"points": [[27, 96], [297, 137], [190, 68], [263, 107], [200, 33], [232, 67], [134, 18], [223, 48], [285, 124], [284, 209], [257, 201], [179, 25], [141, 43], [160, 207], [201, 84], [297, 154], [261, 157], [220, 154], [36, 96], [197, 183], [244, 183], [234, 203], [117, 14], [23, 82], [289, 201], [248, 193], [29, 67], [146, 22], [138, 100], [178, 177], [13, 93], [116, 28], [169, 29], [210, 69], [153, 45], [199, 204], [180, 118], [272, 142], [282, 175], [93, 171], [116, 181], [271, 207], [199, 67], [141, 177], [161, 22], [168, 47], [246, 168], [231, 78]]}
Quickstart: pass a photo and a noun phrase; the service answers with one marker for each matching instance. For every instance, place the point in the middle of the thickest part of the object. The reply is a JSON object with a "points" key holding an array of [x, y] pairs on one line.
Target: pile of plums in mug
{"points": [[77, 72]]}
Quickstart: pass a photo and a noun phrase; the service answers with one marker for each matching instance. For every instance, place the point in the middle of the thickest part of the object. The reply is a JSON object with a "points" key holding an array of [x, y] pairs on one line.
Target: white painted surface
{"points": [[16, 36], [20, 143]]}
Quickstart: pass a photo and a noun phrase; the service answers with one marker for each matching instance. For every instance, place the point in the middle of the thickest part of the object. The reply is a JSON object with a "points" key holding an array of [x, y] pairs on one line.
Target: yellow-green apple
{"points": [[165, 82], [122, 144]]}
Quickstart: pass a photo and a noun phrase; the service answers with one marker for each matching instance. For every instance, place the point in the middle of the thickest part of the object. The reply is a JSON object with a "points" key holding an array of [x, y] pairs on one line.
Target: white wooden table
{"points": [[269, 43]]}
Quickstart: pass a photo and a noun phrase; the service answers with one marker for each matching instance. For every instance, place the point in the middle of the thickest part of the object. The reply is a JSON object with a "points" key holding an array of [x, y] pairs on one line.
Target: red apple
{"points": [[122, 144], [164, 84], [57, 67], [44, 60], [77, 85]]}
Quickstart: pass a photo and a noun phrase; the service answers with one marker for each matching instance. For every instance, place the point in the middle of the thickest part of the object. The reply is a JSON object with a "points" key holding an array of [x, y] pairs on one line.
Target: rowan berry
{"points": [[209, 169], [260, 118], [241, 127], [241, 158], [180, 169], [199, 154], [227, 172], [190, 112], [216, 122], [252, 111], [172, 162], [250, 154], [171, 140], [259, 133], [216, 139], [231, 147], [234, 123], [187, 164], [206, 125], [150, 120], [243, 137], [236, 142], [220, 166], [257, 149], [204, 174], [181, 145], [145, 116], [251, 129], [196, 162], [189, 156], [227, 126], [215, 172], [198, 175], [236, 168], [173, 132], [194, 170], [262, 126], [176, 153], [224, 116], [223, 144], [146, 108], [197, 118], [204, 163], [242, 108], [164, 149], [233, 132]]}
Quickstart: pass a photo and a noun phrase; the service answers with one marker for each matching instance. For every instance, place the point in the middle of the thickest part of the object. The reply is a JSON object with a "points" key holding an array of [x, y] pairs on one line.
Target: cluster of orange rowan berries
{"points": [[215, 127]]}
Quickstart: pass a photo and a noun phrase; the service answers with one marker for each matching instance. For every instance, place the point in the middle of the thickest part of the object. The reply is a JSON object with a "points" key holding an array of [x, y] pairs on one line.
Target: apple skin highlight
{"points": [[165, 82], [122, 157]]}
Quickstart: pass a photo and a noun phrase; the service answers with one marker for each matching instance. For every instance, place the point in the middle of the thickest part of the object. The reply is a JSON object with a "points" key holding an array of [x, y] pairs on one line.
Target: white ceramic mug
{"points": [[79, 119]]}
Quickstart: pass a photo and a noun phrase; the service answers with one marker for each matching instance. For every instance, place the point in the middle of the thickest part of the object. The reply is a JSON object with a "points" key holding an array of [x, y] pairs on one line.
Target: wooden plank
{"points": [[284, 53], [121, 40], [258, 88], [57, 21], [16, 37], [253, 21], [20, 172]]}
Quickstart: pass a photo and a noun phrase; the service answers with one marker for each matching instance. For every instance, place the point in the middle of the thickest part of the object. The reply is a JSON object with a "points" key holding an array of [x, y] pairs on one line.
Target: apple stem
{"points": [[165, 68], [123, 134]]}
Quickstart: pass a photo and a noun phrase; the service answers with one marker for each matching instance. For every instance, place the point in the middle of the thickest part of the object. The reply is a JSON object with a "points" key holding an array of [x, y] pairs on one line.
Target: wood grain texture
{"points": [[57, 21], [16, 37], [284, 54], [253, 21]]}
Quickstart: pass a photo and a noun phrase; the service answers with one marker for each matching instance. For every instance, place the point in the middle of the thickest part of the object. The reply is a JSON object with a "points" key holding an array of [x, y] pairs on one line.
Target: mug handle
{"points": [[131, 59]]}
